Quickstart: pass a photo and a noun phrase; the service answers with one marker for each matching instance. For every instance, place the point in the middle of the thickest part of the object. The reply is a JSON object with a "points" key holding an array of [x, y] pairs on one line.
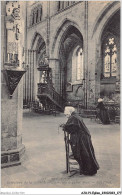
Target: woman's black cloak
{"points": [[103, 113], [81, 145]]}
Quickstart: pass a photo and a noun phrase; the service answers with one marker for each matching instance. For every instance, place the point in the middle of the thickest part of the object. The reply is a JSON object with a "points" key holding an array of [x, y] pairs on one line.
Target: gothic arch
{"points": [[103, 18], [36, 53], [60, 33], [35, 41], [67, 38], [107, 23]]}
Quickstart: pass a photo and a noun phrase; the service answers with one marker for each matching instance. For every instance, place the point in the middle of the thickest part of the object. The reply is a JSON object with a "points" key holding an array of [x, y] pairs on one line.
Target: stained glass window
{"points": [[109, 57]]}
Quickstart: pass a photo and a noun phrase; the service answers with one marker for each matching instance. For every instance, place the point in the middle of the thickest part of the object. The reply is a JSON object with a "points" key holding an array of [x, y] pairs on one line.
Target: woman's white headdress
{"points": [[68, 110], [100, 100]]}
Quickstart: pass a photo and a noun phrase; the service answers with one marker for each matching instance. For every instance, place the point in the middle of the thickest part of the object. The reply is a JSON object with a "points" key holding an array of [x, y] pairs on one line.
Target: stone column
{"points": [[54, 65], [97, 70], [12, 148], [86, 53], [36, 75]]}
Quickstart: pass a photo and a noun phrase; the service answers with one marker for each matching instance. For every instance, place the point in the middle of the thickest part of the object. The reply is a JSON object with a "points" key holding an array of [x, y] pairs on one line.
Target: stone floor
{"points": [[43, 165]]}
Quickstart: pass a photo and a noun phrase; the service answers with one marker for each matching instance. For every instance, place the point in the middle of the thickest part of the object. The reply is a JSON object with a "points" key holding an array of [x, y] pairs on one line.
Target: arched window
{"points": [[80, 64], [77, 65], [64, 4], [40, 10], [36, 15], [109, 57]]}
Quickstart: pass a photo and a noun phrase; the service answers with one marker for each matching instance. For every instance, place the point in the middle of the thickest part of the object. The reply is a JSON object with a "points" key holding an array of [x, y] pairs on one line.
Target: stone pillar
{"points": [[54, 65], [36, 75], [12, 148], [86, 83], [94, 71], [97, 70]]}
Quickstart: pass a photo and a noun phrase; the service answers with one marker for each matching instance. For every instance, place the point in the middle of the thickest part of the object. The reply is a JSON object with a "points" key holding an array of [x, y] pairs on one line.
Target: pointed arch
{"points": [[60, 33], [37, 38], [107, 58], [103, 18]]}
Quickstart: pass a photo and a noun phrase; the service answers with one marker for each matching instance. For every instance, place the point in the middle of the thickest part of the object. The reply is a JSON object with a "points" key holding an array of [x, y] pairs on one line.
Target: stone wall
{"points": [[90, 19]]}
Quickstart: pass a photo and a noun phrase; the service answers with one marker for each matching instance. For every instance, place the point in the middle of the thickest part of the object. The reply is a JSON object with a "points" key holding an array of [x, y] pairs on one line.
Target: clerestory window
{"points": [[36, 15], [63, 4]]}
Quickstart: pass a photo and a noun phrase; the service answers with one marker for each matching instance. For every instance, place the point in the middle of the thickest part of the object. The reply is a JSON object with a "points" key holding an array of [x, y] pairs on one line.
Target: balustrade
{"points": [[47, 89]]}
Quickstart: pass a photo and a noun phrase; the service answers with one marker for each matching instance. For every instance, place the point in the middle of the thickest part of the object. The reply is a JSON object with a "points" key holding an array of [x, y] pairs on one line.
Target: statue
{"points": [[16, 14], [12, 22], [13, 25]]}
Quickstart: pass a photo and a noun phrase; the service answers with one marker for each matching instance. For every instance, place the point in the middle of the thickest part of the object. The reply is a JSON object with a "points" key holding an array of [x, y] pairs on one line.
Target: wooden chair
{"points": [[70, 161]]}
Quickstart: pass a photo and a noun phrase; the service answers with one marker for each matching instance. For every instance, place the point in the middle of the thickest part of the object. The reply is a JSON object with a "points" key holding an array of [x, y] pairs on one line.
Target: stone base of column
{"points": [[12, 157]]}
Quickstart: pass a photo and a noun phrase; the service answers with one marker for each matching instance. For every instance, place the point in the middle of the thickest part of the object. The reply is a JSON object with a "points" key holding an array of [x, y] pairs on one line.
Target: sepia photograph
{"points": [[60, 94]]}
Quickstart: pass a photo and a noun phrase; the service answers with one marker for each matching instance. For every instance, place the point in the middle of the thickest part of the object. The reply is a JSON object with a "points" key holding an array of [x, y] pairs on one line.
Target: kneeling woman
{"points": [[80, 141], [102, 112]]}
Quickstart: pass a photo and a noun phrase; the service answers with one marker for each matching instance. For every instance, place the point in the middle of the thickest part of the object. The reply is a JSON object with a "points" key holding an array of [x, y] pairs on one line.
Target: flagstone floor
{"points": [[43, 165]]}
